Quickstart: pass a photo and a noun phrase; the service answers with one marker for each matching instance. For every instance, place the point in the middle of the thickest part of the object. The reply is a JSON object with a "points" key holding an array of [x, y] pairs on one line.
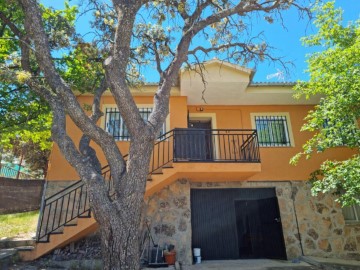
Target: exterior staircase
{"points": [[66, 216]]}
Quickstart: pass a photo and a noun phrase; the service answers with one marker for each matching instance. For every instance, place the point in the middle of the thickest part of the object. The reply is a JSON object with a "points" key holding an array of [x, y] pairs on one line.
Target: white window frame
{"points": [[288, 128], [104, 120]]}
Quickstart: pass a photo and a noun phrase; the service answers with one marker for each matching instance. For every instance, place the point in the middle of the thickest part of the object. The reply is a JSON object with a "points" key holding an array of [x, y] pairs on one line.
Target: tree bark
{"points": [[120, 227], [120, 238]]}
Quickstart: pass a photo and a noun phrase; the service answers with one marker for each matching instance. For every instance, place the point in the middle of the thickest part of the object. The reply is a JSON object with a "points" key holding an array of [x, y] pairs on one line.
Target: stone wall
{"points": [[317, 221], [168, 215], [20, 195], [322, 226]]}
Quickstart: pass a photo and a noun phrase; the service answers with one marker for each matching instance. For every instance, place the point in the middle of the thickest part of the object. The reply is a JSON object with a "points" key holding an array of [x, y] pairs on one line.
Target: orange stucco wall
{"points": [[60, 169], [274, 160]]}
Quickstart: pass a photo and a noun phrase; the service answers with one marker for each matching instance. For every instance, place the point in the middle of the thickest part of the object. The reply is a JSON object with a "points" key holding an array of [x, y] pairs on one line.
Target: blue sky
{"points": [[288, 44], [285, 41]]}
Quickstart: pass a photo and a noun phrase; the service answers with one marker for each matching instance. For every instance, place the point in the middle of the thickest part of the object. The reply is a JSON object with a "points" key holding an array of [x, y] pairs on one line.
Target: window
{"points": [[115, 125], [273, 130], [351, 213]]}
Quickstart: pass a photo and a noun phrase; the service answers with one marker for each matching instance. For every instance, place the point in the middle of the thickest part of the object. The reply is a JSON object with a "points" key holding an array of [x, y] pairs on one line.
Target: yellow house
{"points": [[220, 178]]}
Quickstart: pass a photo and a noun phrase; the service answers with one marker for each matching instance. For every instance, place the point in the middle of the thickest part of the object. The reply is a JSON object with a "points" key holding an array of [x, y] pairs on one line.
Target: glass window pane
{"points": [[115, 125], [272, 130]]}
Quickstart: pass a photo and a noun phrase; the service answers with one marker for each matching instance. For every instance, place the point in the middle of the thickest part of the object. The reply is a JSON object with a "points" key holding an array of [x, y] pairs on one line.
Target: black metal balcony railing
{"points": [[205, 145], [178, 145]]}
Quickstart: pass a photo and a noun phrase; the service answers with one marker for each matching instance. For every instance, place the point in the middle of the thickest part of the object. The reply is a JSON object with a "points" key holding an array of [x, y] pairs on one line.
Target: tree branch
{"points": [[115, 67], [84, 144], [33, 25], [7, 21]]}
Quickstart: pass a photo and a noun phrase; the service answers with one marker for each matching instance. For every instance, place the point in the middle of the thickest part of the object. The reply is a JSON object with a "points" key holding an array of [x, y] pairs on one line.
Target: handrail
{"points": [[52, 218], [177, 145], [162, 146], [74, 184]]}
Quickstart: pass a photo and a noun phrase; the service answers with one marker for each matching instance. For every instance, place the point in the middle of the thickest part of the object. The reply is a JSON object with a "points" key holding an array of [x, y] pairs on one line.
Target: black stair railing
{"points": [[162, 153], [62, 208], [177, 145]]}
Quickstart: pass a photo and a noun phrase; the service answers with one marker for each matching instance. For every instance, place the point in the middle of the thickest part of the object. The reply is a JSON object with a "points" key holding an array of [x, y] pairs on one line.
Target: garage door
{"points": [[236, 223]]}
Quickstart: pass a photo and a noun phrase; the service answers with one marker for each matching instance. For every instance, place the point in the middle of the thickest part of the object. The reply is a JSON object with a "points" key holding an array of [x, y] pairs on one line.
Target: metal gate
{"points": [[236, 223]]}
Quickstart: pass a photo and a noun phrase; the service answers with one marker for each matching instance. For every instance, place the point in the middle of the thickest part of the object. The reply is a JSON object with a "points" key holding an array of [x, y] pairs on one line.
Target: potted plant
{"points": [[170, 255]]}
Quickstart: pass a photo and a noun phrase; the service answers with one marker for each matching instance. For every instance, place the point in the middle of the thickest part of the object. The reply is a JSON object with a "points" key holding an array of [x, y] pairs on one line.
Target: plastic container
{"points": [[170, 257], [197, 260], [197, 252]]}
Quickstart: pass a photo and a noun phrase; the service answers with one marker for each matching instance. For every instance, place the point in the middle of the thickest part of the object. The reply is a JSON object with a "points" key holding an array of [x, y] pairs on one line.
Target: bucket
{"points": [[197, 260], [197, 252]]}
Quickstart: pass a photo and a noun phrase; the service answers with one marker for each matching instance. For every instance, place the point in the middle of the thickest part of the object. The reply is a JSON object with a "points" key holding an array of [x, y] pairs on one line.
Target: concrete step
{"points": [[6, 244], [168, 165], [25, 248]]}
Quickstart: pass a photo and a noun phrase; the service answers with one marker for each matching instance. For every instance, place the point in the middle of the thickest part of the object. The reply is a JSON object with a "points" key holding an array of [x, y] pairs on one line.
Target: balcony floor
{"points": [[216, 171]]}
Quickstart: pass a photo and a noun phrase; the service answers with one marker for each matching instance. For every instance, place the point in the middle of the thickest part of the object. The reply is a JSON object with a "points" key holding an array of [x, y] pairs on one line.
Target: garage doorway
{"points": [[237, 224]]}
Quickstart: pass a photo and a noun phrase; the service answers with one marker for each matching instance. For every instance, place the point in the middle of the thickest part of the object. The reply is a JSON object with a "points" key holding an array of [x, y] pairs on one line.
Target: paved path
{"points": [[258, 264]]}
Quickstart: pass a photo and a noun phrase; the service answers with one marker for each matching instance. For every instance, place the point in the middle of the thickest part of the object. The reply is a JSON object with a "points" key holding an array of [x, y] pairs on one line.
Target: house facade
{"points": [[220, 177]]}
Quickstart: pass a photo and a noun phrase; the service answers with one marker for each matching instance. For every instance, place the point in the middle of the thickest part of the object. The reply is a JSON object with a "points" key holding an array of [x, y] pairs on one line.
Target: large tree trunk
{"points": [[120, 243], [120, 226]]}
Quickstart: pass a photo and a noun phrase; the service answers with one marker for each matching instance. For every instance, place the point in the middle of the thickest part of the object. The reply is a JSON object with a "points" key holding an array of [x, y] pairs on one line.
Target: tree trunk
{"points": [[120, 245], [120, 226]]}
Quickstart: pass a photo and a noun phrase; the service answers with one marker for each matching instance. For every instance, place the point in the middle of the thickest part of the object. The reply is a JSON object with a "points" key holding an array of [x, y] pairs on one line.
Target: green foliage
{"points": [[82, 68], [25, 116], [60, 25], [334, 75], [34, 153]]}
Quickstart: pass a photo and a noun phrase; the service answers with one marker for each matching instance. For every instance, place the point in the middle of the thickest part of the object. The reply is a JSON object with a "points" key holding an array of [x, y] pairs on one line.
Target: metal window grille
{"points": [[115, 125], [272, 130]]}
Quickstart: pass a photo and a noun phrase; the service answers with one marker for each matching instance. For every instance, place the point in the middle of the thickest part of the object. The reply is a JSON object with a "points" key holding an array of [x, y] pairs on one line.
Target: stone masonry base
{"points": [[316, 221]]}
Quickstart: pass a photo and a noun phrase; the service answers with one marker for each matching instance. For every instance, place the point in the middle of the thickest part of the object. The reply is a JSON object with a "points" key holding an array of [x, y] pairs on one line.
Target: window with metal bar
{"points": [[351, 213], [115, 125], [272, 130]]}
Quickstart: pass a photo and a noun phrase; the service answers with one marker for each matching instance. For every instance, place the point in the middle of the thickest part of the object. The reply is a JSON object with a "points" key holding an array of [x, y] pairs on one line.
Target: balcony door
{"points": [[195, 142], [201, 136]]}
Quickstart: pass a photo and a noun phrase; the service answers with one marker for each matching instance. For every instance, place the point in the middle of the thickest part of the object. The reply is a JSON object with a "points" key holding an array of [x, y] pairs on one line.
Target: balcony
{"points": [[207, 154], [206, 145]]}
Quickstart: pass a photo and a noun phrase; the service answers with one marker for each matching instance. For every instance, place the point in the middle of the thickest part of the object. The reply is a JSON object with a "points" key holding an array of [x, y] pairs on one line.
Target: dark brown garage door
{"points": [[236, 223]]}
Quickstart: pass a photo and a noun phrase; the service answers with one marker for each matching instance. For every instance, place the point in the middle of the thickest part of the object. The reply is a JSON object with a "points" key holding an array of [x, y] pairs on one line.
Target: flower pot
{"points": [[170, 257]]}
